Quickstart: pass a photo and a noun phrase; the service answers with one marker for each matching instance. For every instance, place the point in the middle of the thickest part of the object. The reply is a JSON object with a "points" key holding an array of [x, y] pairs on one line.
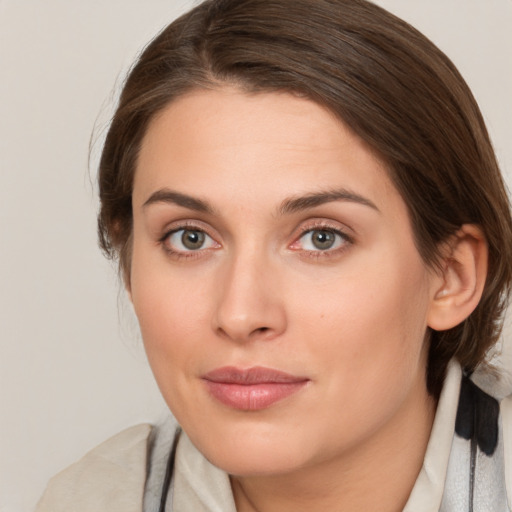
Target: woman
{"points": [[315, 236]]}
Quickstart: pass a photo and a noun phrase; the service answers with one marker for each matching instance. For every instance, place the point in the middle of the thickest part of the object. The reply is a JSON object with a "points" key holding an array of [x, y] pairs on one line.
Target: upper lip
{"points": [[254, 375]]}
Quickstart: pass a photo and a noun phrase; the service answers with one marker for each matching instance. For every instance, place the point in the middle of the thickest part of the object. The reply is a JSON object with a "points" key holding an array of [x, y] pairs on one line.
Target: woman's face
{"points": [[281, 298]]}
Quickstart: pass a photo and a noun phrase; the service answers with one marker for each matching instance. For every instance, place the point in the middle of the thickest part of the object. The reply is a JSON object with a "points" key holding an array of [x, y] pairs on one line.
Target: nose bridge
{"points": [[249, 303]]}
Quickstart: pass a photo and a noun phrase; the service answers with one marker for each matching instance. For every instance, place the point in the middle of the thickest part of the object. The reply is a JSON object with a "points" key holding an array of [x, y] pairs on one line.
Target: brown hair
{"points": [[384, 79]]}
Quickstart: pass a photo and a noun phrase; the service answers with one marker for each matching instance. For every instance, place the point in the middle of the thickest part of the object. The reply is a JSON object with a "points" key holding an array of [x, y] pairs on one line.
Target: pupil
{"points": [[323, 239], [192, 239]]}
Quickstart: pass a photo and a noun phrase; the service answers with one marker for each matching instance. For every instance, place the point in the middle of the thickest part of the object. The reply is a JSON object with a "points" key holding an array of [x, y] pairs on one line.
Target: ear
{"points": [[458, 288]]}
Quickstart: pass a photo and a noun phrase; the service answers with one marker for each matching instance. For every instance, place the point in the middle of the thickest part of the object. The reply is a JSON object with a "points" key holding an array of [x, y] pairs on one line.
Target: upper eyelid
{"points": [[324, 224], [192, 225], [324, 228]]}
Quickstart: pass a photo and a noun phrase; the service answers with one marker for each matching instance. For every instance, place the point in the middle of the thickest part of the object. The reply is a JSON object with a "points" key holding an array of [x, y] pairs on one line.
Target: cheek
{"points": [[388, 297], [369, 326], [170, 318], [170, 327], [171, 312]]}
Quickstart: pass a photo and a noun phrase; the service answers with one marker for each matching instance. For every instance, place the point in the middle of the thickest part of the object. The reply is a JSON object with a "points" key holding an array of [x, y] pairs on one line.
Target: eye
{"points": [[187, 240], [322, 240]]}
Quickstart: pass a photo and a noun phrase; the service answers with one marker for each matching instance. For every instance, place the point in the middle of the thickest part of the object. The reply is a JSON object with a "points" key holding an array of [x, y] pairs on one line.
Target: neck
{"points": [[377, 475]]}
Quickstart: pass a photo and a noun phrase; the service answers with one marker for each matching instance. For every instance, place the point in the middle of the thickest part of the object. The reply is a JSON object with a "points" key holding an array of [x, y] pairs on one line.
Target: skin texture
{"points": [[351, 320]]}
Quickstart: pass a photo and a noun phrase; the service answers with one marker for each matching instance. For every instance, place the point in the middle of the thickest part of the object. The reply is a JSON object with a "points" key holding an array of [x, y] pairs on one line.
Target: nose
{"points": [[250, 302]]}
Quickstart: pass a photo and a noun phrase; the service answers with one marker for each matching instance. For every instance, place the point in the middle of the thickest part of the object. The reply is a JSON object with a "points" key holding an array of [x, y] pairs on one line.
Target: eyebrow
{"points": [[296, 204], [288, 206], [166, 195]]}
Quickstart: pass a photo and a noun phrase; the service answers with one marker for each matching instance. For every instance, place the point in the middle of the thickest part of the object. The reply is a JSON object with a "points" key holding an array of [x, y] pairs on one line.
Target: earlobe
{"points": [[460, 284]]}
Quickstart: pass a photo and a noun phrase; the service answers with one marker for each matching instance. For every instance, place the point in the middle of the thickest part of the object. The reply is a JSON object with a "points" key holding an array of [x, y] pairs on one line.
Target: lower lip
{"points": [[253, 397]]}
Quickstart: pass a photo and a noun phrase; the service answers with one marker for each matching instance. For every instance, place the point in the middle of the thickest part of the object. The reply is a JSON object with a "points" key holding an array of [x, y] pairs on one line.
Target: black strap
{"points": [[477, 416], [477, 421], [169, 471]]}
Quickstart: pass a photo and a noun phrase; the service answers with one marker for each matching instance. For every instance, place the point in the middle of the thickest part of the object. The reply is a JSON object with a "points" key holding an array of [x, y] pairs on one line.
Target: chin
{"points": [[247, 451], [256, 462]]}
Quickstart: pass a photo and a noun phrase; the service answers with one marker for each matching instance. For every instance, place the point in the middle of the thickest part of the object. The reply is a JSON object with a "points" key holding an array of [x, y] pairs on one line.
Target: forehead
{"points": [[227, 144]]}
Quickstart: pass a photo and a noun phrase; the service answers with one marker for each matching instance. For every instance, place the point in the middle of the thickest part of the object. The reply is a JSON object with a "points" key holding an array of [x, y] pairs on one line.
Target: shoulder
{"points": [[109, 477]]}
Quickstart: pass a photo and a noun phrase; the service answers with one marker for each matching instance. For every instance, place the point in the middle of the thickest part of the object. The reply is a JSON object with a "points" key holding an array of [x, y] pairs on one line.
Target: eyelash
{"points": [[346, 241], [190, 254]]}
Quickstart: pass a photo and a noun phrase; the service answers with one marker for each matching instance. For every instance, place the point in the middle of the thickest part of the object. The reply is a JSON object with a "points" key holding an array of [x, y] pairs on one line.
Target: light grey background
{"points": [[72, 371]]}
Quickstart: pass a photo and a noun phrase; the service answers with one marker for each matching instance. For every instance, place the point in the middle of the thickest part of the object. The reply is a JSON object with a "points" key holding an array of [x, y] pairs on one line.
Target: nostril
{"points": [[261, 330]]}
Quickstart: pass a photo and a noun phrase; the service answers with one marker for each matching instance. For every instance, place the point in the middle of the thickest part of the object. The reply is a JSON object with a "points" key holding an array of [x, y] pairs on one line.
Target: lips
{"points": [[252, 389]]}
